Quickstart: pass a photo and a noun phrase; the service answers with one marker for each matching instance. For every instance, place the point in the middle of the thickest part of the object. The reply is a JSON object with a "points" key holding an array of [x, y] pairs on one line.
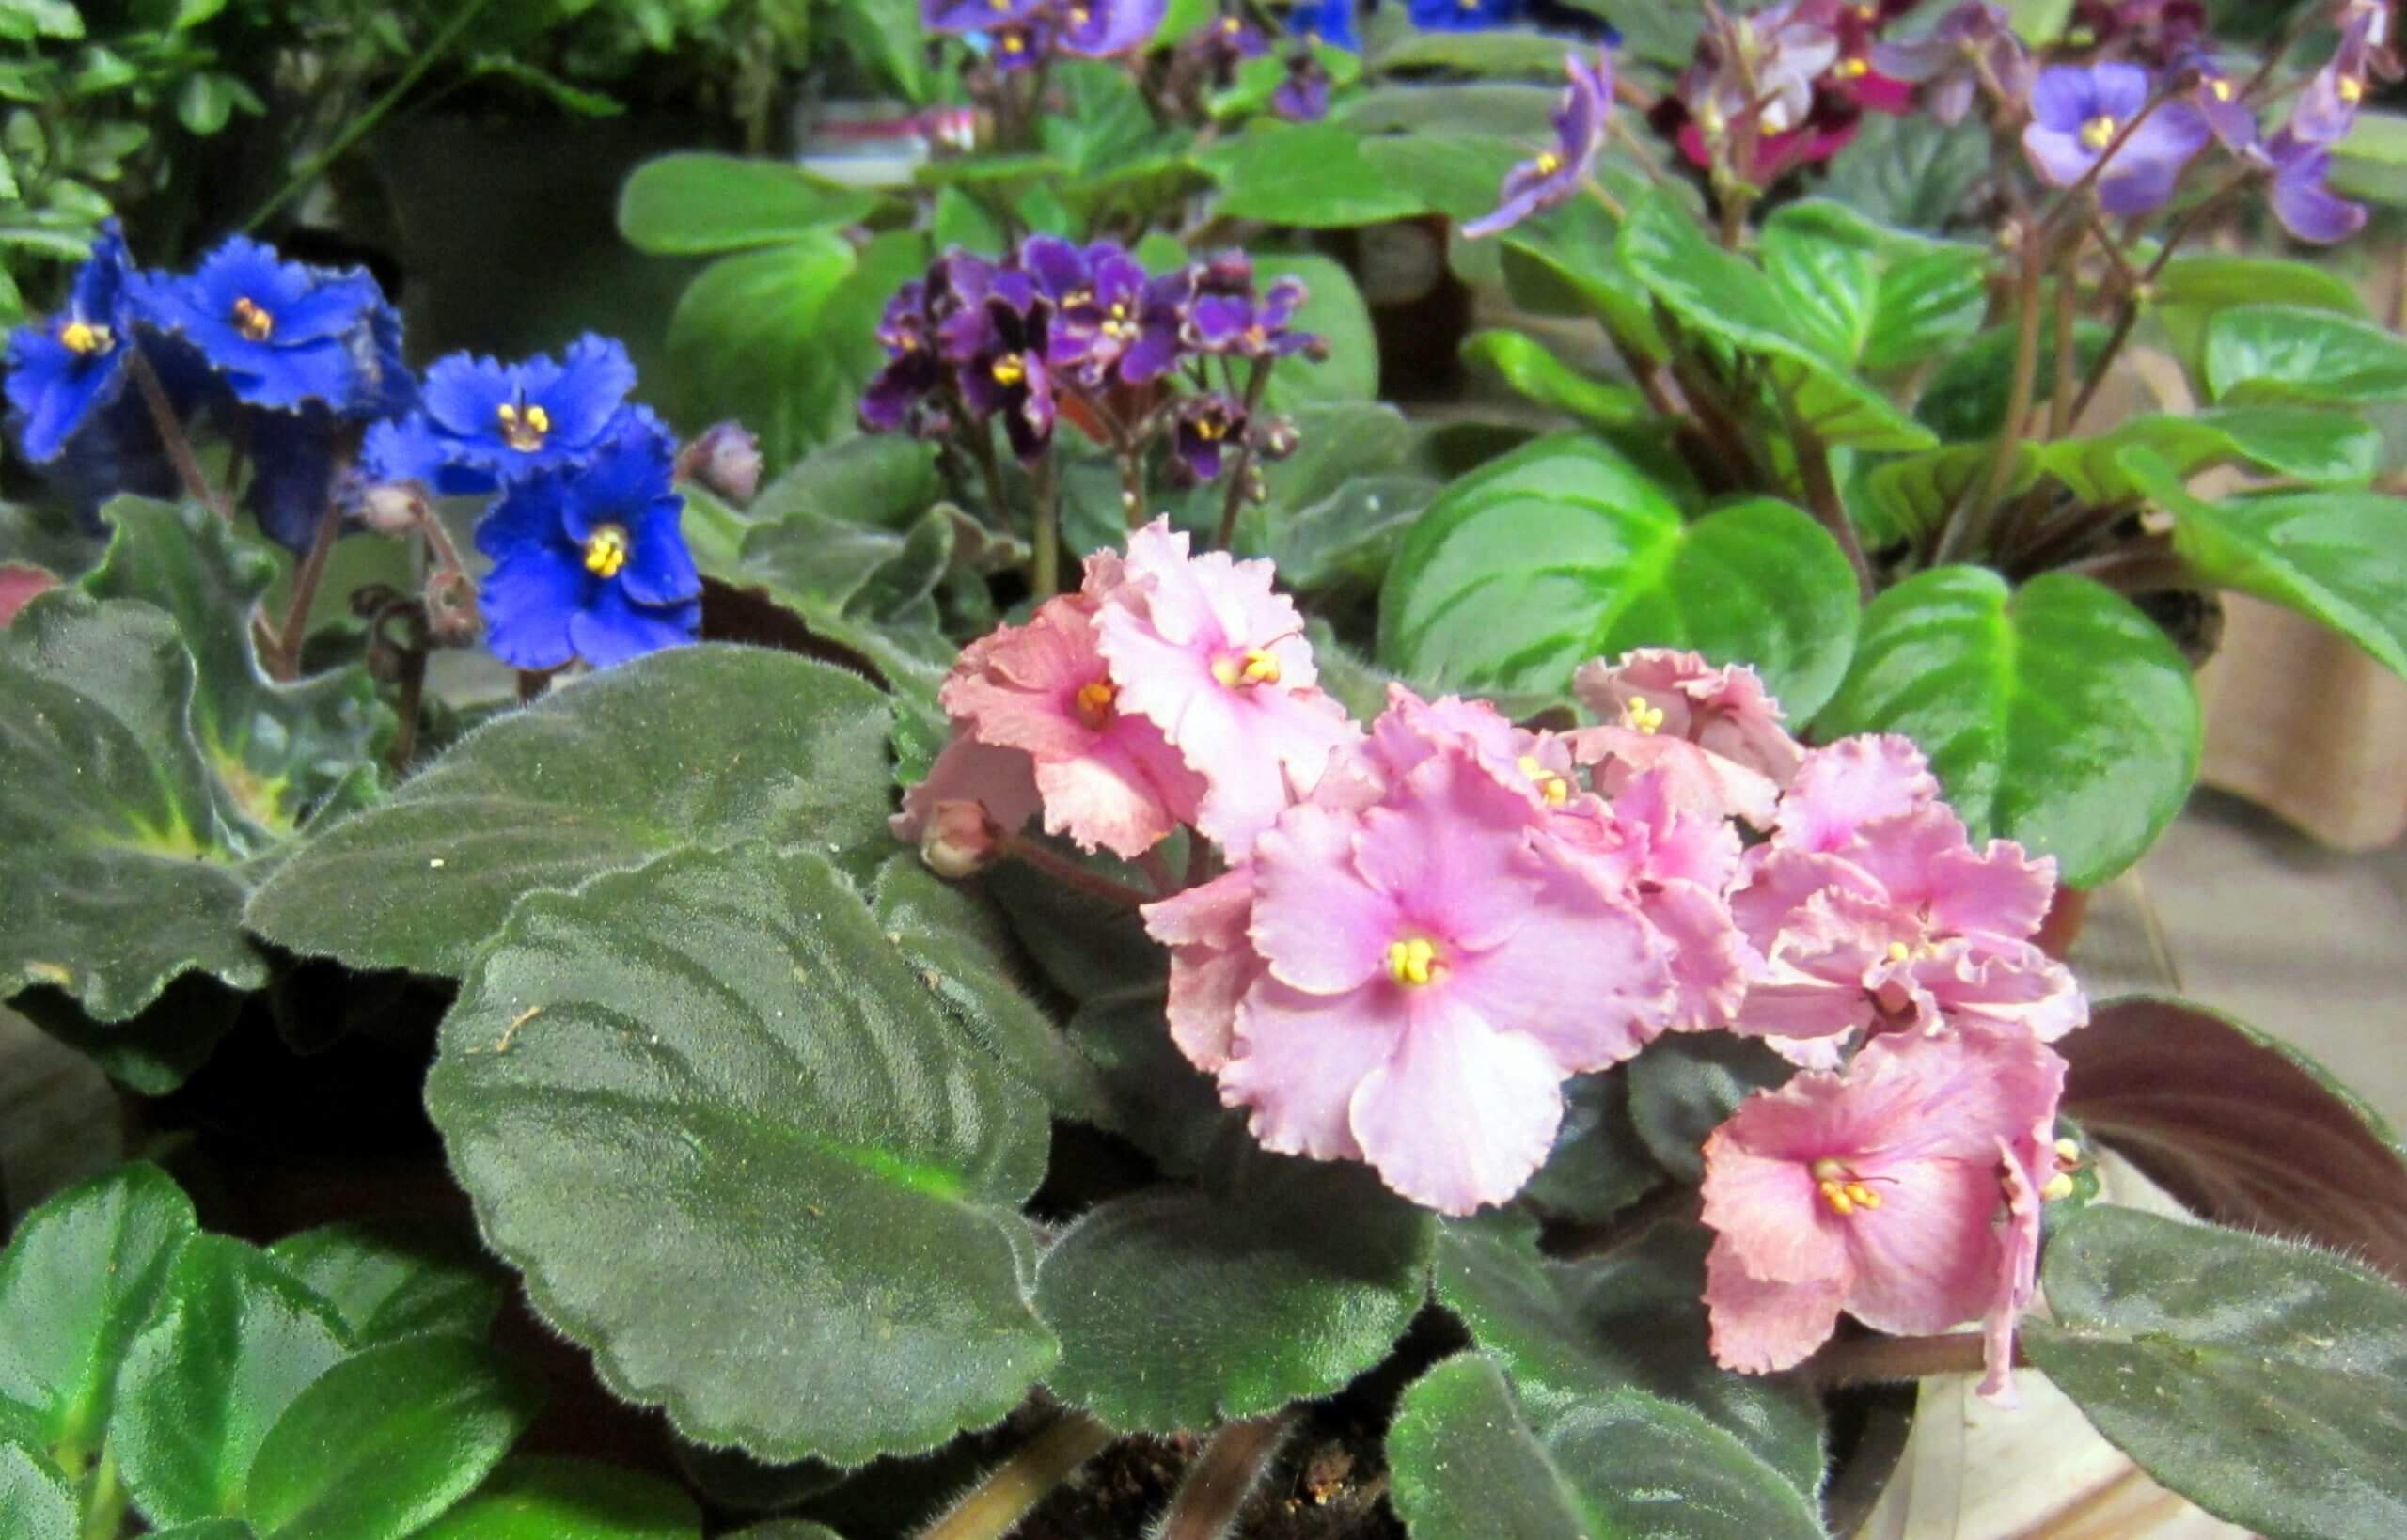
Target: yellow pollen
{"points": [[523, 427], [1095, 702], [1468, 5], [83, 338], [2059, 1187], [1230, 25], [1413, 963], [1640, 715], [998, 6], [1078, 15], [1554, 788], [2068, 1150], [252, 322], [2351, 89], [1251, 667], [1209, 428], [1835, 1195], [2100, 130], [1014, 43], [2219, 88], [1900, 952], [606, 550], [1840, 1189], [1009, 370], [1549, 162], [1256, 336], [1854, 69]]}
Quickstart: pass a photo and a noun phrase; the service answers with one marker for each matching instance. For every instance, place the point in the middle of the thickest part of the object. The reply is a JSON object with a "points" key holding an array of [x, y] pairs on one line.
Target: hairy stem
{"points": [[1222, 1477], [1069, 873], [995, 1507], [1241, 474], [171, 435], [1822, 496], [286, 661], [1045, 574], [1967, 532], [1869, 1360], [105, 1502]]}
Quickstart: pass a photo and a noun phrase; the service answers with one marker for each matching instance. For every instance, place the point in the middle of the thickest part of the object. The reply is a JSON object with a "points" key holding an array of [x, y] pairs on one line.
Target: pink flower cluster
{"points": [[1424, 929]]}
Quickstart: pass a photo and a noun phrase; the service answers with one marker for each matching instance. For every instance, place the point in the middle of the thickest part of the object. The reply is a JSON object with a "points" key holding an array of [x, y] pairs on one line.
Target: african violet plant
{"points": [[1096, 897]]}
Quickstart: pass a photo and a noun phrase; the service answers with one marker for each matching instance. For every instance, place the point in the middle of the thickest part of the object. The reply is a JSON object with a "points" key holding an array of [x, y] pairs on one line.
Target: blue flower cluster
{"points": [[299, 370]]}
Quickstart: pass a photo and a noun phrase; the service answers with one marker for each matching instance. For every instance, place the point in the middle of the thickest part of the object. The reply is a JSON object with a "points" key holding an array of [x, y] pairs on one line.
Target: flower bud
{"points": [[393, 508], [451, 598], [726, 458], [958, 841]]}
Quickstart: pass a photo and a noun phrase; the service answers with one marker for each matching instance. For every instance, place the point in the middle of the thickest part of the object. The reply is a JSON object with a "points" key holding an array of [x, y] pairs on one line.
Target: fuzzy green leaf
{"points": [[550, 1499], [693, 203], [383, 1289], [2258, 352]]}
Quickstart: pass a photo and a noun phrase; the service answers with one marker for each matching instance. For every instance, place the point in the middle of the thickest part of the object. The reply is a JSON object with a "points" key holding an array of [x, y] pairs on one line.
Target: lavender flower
{"points": [[1228, 318], [960, 18], [2078, 111], [1557, 173], [2307, 208], [1102, 29], [2327, 108], [1949, 62], [2217, 99], [1303, 96]]}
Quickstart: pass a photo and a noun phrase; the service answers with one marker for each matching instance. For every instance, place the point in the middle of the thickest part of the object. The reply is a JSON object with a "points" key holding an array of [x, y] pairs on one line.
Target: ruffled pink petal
{"points": [[1411, 729], [1584, 976], [1317, 923], [1020, 685], [2014, 987], [1212, 962], [1758, 1327], [2017, 1256], [1948, 1094], [1779, 884], [1296, 1060], [1105, 799], [1700, 783], [1001, 779], [1926, 1259], [1762, 1201], [1997, 891], [1726, 711], [1842, 787], [1711, 961], [1451, 847], [1462, 1114]]}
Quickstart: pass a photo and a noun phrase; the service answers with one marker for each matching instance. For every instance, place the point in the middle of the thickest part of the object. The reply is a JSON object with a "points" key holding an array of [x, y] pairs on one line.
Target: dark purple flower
{"points": [[1557, 173], [1096, 294], [1102, 29], [1303, 96], [900, 398], [1949, 61], [65, 370], [997, 345], [2156, 31], [1209, 426], [1161, 327], [2077, 113], [958, 18], [1014, 48], [1230, 321], [2307, 208]]}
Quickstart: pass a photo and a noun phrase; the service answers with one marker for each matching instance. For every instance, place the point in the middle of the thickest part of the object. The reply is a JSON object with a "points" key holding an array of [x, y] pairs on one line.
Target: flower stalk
{"points": [[1011, 1492]]}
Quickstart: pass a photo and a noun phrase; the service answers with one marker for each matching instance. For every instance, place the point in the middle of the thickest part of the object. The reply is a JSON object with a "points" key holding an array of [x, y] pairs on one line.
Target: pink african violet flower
{"points": [[972, 791], [1106, 776], [18, 585], [1879, 1192], [1431, 977], [1713, 732], [1212, 962], [1204, 649], [1871, 908]]}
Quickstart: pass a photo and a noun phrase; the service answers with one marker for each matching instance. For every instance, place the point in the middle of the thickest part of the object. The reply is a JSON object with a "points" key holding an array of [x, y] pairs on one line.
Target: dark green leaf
{"points": [[2340, 558], [603, 774], [1527, 366], [2259, 352], [35, 1495], [707, 1104], [1178, 1310], [2239, 1126], [1886, 300], [1312, 175], [746, 342], [691, 203], [1908, 171], [385, 1441], [963, 951], [1915, 493], [1568, 1332], [1165, 1104], [532, 1499], [234, 1340], [1967, 395], [1683, 1085], [208, 1528], [1332, 310], [1564, 262], [1622, 1465], [1087, 946], [2057, 715], [1564, 551], [2308, 442], [786, 1529], [1455, 173], [2264, 1381], [117, 870], [383, 1289], [875, 479], [81, 1277], [1599, 1165]]}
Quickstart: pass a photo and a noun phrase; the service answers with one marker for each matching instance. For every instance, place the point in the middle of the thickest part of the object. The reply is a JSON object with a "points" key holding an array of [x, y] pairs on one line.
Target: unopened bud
{"points": [[450, 600], [1277, 439], [726, 458], [958, 841], [393, 508]]}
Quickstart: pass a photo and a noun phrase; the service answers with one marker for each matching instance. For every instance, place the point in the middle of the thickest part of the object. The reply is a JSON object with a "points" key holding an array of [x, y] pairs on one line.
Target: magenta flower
{"points": [[1203, 650], [1872, 909], [2077, 114], [1556, 174], [1431, 977], [1714, 732], [1881, 1192]]}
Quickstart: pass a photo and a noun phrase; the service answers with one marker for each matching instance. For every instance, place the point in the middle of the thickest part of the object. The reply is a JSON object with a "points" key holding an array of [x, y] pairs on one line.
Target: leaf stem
{"points": [[104, 1501], [1822, 496], [1069, 873], [1241, 474], [2129, 315], [1968, 530], [995, 1507], [1222, 1477], [171, 435], [1045, 574]]}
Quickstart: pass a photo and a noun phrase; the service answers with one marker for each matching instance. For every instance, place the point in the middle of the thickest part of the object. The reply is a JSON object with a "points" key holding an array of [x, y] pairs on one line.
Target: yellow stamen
{"points": [[1413, 961], [1251, 667], [1256, 338], [1009, 370], [2059, 1187], [522, 428], [1865, 1197], [1549, 162], [1900, 952], [83, 338], [1096, 702], [1079, 15], [2351, 89], [2068, 1150], [1553, 787], [1640, 715], [1014, 43], [1230, 25], [1835, 1195], [2220, 88], [2098, 132], [1854, 69], [1468, 5], [1840, 1188], [252, 322], [606, 550]]}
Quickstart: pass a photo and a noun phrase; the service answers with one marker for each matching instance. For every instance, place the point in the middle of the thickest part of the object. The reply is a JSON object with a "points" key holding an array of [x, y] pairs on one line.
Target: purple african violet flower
{"points": [[956, 18], [997, 345], [2078, 111], [1557, 173], [1303, 96], [2327, 108], [1096, 294], [2307, 208], [2217, 98], [1228, 318], [1949, 61], [1161, 327], [1781, 52], [1102, 29], [1209, 425]]}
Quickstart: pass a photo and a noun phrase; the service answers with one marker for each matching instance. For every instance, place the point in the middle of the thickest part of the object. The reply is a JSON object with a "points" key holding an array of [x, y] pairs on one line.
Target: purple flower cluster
{"points": [[1017, 33], [1057, 325]]}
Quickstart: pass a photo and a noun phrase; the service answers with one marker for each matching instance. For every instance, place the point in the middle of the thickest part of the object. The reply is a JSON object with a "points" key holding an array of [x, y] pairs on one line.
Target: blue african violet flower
{"points": [[295, 472], [65, 370], [589, 561], [280, 334], [1329, 22], [2079, 111], [484, 423], [1464, 15]]}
